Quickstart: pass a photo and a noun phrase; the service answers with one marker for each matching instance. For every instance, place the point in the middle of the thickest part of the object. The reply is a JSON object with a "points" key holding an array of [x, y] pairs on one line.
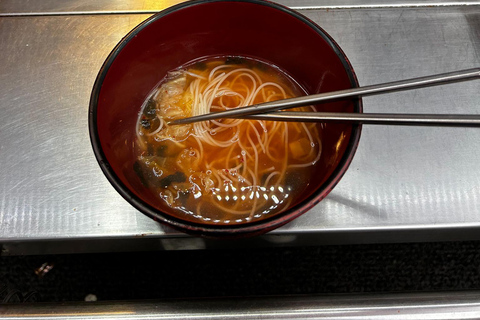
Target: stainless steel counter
{"points": [[405, 183], [419, 306]]}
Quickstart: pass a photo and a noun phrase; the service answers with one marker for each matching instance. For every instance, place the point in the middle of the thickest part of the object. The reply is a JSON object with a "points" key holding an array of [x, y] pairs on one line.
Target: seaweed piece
{"points": [[145, 123], [137, 168], [150, 110], [150, 124], [162, 150], [262, 66], [200, 66], [183, 197], [149, 149], [234, 60], [176, 177], [148, 169]]}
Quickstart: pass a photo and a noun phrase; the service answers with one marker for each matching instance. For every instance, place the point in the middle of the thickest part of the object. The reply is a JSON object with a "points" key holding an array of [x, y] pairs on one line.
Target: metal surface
{"points": [[451, 305], [82, 7], [398, 119], [404, 184], [434, 80]]}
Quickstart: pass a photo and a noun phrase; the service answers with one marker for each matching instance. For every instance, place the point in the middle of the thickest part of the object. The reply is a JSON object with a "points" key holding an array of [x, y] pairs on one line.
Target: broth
{"points": [[224, 171]]}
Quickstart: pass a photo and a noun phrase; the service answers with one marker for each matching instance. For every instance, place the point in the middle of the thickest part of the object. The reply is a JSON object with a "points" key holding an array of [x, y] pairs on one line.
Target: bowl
{"points": [[196, 29]]}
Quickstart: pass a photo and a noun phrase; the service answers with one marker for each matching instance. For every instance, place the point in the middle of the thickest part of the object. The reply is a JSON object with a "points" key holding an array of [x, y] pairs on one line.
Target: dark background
{"points": [[242, 272]]}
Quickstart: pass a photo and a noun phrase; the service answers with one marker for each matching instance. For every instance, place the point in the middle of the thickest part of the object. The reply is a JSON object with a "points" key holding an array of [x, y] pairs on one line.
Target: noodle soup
{"points": [[227, 171]]}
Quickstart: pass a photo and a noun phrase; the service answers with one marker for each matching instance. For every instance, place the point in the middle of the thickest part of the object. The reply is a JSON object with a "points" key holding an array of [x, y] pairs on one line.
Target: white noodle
{"points": [[225, 87]]}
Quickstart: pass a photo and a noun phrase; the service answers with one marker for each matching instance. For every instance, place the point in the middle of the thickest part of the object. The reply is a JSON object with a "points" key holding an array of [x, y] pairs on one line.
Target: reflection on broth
{"points": [[226, 171]]}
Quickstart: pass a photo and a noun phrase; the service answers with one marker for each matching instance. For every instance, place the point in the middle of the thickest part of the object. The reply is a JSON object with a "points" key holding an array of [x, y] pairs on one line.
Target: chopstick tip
{"points": [[179, 121]]}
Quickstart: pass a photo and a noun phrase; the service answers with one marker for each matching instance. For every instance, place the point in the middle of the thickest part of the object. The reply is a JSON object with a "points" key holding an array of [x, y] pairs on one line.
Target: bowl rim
{"points": [[234, 230]]}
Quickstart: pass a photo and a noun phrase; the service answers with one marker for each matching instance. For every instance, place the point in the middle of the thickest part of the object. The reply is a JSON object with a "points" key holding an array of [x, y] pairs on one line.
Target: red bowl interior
{"points": [[197, 29]]}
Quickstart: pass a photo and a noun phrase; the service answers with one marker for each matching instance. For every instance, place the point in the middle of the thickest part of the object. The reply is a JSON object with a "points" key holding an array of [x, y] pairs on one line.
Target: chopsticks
{"points": [[443, 120], [260, 111]]}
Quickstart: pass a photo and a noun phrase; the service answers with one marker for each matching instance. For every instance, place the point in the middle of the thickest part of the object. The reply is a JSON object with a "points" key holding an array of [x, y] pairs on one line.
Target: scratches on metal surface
{"points": [[48, 167], [422, 178]]}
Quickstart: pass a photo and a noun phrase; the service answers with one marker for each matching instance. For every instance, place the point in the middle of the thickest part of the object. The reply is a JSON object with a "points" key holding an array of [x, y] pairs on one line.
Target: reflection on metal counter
{"points": [[454, 305]]}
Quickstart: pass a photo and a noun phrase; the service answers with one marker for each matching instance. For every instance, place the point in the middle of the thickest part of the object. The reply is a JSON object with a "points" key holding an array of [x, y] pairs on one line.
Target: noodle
{"points": [[228, 170]]}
